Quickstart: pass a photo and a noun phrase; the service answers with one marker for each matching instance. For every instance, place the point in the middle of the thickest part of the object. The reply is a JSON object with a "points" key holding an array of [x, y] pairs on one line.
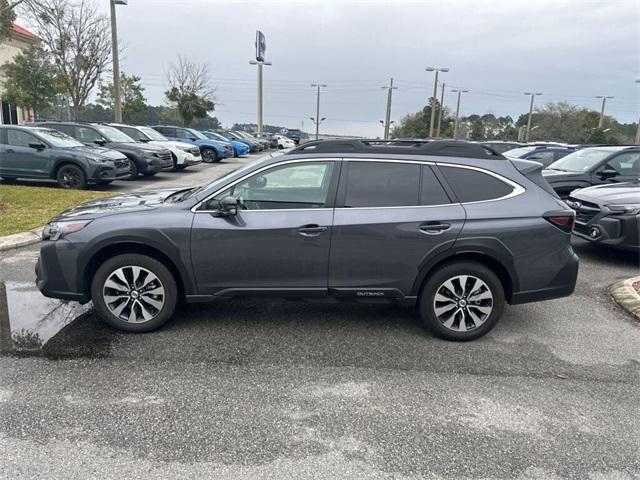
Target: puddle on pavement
{"points": [[35, 319]]}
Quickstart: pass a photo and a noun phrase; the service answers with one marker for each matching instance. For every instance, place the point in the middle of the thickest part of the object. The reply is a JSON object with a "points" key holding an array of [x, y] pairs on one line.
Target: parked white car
{"points": [[184, 154], [284, 142]]}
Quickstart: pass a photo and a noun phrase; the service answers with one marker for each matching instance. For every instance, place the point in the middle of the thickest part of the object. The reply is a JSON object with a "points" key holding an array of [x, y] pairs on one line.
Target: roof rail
{"points": [[445, 148]]}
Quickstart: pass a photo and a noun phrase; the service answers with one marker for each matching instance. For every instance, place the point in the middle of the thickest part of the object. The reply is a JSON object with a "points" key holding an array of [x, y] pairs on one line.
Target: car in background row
{"points": [[44, 153], [143, 159], [254, 145], [294, 134], [502, 146], [239, 148], [593, 166], [281, 142], [210, 150], [539, 153], [608, 214], [264, 143], [183, 154]]}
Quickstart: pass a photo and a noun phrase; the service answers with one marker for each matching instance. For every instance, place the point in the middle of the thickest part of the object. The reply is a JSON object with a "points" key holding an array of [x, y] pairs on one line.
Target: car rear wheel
{"points": [[71, 176], [209, 155], [134, 292], [462, 301], [133, 170]]}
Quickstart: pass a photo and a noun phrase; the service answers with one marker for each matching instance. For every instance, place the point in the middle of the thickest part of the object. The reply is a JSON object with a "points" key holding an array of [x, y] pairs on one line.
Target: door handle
{"points": [[312, 230], [434, 228]]}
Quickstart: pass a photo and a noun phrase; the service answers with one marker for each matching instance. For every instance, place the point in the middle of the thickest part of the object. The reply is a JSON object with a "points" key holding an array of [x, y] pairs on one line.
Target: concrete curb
{"points": [[22, 239], [626, 296]]}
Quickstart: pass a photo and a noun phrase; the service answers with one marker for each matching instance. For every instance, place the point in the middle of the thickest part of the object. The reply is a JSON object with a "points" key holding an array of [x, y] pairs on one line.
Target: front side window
{"points": [[88, 135], [474, 186], [295, 186], [18, 138], [382, 184], [627, 164], [134, 133]]}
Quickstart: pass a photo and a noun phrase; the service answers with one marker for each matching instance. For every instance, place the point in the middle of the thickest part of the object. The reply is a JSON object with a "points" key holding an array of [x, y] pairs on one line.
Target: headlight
{"points": [[97, 159], [184, 149], [628, 208], [56, 230]]}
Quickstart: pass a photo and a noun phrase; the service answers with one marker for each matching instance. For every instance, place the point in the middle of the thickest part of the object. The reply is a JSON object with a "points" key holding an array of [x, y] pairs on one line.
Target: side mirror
{"points": [[607, 172], [228, 207], [193, 139], [143, 140], [38, 146], [100, 141]]}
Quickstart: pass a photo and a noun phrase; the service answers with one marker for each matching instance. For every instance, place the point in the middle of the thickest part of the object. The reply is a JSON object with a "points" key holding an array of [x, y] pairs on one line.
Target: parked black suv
{"points": [[29, 152], [593, 166], [144, 159], [450, 227]]}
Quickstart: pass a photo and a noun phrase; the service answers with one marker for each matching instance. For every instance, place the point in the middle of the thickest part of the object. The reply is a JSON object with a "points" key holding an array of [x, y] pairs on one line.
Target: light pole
{"points": [[318, 120], [440, 111], [117, 101], [260, 65], [388, 122], [386, 126], [533, 95], [604, 102], [638, 129], [435, 92], [455, 125]]}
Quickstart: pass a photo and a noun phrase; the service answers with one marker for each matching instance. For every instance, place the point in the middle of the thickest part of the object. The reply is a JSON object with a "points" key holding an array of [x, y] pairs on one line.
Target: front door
{"points": [[20, 159], [279, 239], [390, 217]]}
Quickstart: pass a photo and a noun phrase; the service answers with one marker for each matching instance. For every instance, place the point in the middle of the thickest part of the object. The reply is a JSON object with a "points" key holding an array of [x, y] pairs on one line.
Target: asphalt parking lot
{"points": [[265, 389]]}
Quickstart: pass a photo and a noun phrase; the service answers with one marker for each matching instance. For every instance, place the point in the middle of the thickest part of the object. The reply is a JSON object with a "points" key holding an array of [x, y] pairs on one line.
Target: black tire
{"points": [[467, 311], [133, 170], [162, 274], [9, 179], [280, 147], [71, 176], [179, 168], [209, 155]]}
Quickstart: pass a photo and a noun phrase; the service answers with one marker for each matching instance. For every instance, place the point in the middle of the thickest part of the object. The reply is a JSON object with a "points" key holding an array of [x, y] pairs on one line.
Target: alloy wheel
{"points": [[463, 303], [69, 178], [209, 156], [134, 294]]}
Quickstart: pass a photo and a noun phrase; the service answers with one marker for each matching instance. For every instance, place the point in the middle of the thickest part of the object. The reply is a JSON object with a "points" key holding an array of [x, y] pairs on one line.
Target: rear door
{"points": [[390, 217]]}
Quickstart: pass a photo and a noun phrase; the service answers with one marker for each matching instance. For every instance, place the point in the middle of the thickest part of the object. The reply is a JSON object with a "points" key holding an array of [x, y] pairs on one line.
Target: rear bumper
{"points": [[562, 285]]}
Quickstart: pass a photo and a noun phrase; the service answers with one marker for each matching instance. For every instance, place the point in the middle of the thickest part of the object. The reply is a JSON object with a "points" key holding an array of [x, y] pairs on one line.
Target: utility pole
{"points": [[455, 125], [526, 138], [387, 122], [434, 99], [317, 120], [440, 111], [638, 129], [260, 64], [604, 102], [117, 101]]}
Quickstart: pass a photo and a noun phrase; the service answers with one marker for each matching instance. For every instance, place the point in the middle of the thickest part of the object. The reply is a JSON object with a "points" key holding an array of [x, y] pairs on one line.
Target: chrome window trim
{"points": [[194, 209], [517, 188]]}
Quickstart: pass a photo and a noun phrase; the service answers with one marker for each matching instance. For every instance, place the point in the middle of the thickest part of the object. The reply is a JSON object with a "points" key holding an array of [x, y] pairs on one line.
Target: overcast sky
{"points": [[571, 51]]}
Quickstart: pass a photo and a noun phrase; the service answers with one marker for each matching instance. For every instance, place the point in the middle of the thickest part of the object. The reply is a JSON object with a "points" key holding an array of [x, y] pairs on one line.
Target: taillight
{"points": [[562, 220]]}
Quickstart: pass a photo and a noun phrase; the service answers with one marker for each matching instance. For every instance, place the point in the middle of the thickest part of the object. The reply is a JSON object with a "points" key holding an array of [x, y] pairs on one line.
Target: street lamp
{"points": [[260, 64], [604, 101], [455, 125], [638, 129], [117, 102], [318, 86], [435, 92], [526, 139]]}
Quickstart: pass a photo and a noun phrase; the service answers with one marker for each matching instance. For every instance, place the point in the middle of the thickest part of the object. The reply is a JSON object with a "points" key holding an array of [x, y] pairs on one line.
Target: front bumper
{"points": [[157, 164], [56, 272], [600, 225], [110, 171]]}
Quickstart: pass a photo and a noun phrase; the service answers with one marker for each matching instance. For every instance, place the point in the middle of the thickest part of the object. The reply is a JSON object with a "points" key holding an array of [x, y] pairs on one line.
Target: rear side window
{"points": [[431, 191], [474, 186], [381, 184]]}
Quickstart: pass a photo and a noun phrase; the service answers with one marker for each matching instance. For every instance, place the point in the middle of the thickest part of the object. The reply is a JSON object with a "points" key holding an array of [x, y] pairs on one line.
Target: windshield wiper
{"points": [[557, 169], [180, 195]]}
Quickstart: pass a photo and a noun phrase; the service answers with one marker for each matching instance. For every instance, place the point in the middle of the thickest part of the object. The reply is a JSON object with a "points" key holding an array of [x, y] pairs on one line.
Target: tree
{"points": [[190, 90], [131, 92], [79, 40], [29, 80]]}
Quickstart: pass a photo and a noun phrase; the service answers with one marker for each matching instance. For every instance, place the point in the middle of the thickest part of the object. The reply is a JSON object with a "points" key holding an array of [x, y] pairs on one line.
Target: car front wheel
{"points": [[71, 176], [134, 292], [209, 155], [462, 301]]}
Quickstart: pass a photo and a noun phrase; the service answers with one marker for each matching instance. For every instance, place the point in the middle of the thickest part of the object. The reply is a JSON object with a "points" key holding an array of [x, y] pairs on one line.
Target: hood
{"points": [[628, 192], [101, 151], [129, 202], [181, 145], [136, 147]]}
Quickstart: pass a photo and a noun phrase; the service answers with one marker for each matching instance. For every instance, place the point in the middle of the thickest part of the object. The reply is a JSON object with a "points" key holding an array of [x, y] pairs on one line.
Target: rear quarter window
{"points": [[473, 185]]}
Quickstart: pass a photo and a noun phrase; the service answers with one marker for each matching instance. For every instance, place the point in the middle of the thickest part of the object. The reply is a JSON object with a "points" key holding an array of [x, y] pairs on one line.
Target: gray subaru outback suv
{"points": [[451, 227]]}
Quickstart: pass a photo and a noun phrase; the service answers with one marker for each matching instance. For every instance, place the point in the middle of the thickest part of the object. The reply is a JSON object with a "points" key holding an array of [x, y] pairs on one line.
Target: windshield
{"points": [[113, 134], [197, 134], [580, 161], [58, 139], [245, 135], [153, 134], [518, 152]]}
